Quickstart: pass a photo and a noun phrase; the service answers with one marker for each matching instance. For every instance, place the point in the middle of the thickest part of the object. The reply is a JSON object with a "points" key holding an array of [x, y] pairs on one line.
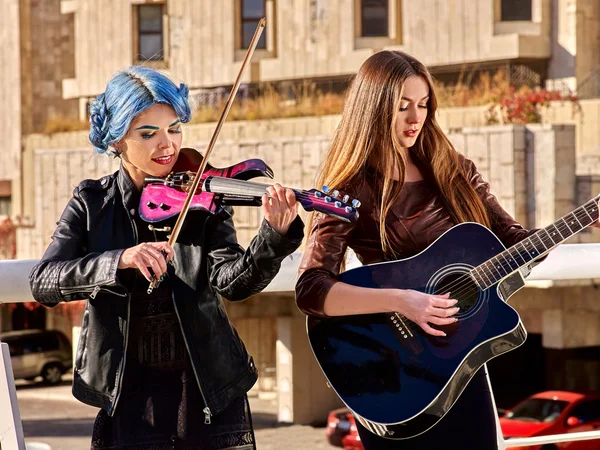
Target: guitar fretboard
{"points": [[536, 245]]}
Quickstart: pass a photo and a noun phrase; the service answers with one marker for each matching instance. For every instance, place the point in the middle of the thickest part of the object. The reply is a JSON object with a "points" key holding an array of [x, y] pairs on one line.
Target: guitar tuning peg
{"points": [[325, 189], [356, 203], [318, 194], [328, 199], [338, 204], [348, 209], [335, 194], [346, 198]]}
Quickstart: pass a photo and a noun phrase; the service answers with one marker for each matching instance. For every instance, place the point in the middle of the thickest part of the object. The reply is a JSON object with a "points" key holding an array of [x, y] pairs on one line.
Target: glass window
{"points": [[252, 12], [587, 411], [516, 10], [374, 18], [5, 206], [150, 32], [537, 410]]}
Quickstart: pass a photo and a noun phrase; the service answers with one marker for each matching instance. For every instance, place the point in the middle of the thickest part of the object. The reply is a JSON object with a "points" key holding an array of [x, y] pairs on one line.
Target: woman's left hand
{"points": [[279, 207]]}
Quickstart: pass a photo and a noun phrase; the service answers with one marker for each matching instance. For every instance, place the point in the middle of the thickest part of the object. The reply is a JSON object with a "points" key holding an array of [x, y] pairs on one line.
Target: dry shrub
{"points": [[59, 124]]}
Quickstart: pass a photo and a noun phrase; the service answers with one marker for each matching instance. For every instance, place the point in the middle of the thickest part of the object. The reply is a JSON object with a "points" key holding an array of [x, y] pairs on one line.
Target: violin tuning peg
{"points": [[356, 203], [335, 194], [346, 198], [325, 189]]}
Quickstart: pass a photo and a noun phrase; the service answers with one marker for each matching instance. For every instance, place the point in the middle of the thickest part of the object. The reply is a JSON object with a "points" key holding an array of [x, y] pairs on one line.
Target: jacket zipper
{"points": [[207, 412], [124, 352], [122, 371], [92, 289]]}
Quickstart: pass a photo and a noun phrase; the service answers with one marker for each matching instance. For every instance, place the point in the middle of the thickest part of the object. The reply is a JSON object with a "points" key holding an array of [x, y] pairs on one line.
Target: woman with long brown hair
{"points": [[390, 153]]}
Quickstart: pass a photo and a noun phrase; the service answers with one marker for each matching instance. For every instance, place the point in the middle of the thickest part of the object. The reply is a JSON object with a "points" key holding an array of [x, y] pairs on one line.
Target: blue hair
{"points": [[127, 94]]}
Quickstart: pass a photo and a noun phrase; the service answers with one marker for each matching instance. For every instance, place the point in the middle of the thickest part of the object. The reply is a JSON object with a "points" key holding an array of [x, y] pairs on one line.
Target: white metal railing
{"points": [[567, 262]]}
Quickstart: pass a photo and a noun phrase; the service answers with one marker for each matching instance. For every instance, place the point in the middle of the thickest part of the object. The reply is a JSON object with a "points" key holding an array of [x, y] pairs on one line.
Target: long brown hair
{"points": [[366, 135]]}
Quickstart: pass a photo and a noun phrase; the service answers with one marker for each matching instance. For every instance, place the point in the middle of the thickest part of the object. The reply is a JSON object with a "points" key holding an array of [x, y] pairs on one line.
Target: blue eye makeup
{"points": [[174, 128]]}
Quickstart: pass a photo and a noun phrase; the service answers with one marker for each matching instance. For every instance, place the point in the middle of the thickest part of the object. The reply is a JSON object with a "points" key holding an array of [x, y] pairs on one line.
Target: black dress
{"points": [[160, 405], [471, 421]]}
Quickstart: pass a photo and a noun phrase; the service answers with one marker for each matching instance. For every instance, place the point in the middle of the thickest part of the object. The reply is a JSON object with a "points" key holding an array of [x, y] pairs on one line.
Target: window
{"points": [[374, 16], [516, 10], [247, 14], [149, 32], [5, 206], [252, 12], [5, 198], [587, 411], [377, 23]]}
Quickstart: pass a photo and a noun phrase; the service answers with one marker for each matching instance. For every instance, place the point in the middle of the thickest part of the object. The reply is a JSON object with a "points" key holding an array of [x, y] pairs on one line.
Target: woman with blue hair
{"points": [[167, 369]]}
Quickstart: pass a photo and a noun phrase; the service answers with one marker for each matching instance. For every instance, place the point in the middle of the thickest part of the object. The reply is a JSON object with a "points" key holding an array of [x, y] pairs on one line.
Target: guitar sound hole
{"points": [[461, 288]]}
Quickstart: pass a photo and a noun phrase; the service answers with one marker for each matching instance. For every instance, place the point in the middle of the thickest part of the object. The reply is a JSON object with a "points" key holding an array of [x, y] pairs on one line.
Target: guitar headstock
{"points": [[331, 202]]}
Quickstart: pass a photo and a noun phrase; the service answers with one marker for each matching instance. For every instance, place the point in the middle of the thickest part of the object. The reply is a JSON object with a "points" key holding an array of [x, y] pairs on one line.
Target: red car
{"points": [[554, 412], [340, 424], [551, 412]]}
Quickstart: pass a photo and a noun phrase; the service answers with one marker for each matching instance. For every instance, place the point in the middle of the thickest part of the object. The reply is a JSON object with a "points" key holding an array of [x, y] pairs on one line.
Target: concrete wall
{"points": [[304, 39], [70, 155], [10, 89]]}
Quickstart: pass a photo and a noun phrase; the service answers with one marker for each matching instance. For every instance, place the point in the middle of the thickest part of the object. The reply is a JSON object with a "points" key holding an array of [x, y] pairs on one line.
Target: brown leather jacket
{"points": [[416, 220]]}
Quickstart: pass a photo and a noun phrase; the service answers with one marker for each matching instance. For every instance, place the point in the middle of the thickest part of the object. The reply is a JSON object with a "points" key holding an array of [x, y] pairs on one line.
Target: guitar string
{"points": [[465, 283], [584, 216]]}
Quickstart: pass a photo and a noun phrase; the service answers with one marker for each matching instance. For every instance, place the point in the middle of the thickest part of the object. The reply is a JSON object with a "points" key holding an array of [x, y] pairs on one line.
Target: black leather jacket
{"points": [[81, 262]]}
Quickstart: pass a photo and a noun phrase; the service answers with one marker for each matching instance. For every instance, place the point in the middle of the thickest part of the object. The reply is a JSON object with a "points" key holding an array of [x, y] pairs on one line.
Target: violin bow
{"points": [[192, 190]]}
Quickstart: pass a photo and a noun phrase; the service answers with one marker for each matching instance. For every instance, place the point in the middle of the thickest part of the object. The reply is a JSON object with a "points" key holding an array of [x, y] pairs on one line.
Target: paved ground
{"points": [[52, 416]]}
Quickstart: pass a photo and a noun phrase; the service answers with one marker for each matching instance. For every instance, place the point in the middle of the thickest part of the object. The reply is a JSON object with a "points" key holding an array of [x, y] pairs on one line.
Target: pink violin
{"points": [[163, 198]]}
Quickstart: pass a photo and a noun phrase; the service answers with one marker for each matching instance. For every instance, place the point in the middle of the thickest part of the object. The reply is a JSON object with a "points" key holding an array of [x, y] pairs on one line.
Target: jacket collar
{"points": [[129, 192]]}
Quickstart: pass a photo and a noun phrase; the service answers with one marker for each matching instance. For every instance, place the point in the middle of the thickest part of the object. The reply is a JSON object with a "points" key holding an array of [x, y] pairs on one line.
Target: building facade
{"points": [[58, 54]]}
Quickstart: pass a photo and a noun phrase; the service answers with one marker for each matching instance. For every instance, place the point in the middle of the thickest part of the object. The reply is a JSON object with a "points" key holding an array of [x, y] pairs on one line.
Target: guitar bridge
{"points": [[404, 334], [400, 325]]}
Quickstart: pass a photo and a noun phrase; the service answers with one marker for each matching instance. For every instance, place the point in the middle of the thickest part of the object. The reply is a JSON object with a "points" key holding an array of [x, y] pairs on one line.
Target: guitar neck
{"points": [[536, 245]]}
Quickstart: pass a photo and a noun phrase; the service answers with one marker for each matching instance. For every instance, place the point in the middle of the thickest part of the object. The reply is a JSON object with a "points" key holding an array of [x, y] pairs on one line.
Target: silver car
{"points": [[46, 353]]}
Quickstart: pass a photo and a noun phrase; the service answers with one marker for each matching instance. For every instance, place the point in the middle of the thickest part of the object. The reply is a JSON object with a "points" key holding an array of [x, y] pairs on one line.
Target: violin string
{"points": [[300, 194]]}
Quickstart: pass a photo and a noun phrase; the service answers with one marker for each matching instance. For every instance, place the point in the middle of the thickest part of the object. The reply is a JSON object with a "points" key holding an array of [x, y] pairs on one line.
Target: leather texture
{"points": [[81, 263], [417, 218]]}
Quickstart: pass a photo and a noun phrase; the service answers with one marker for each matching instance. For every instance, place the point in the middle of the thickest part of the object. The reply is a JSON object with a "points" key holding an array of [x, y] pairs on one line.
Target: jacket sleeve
{"points": [[67, 271], [322, 262], [236, 273]]}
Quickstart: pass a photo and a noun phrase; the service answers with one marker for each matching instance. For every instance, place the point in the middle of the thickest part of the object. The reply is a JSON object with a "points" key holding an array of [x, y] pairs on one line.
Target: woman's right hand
{"points": [[424, 309], [145, 255]]}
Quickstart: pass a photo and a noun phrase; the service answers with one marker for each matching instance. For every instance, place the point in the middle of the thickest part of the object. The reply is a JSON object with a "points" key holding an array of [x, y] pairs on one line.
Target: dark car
{"points": [[46, 353]]}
